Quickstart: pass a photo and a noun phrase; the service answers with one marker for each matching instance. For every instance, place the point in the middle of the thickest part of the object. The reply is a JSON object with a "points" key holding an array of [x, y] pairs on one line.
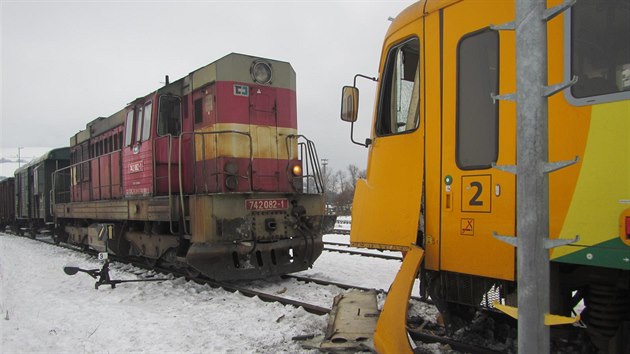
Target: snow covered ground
{"points": [[44, 310]]}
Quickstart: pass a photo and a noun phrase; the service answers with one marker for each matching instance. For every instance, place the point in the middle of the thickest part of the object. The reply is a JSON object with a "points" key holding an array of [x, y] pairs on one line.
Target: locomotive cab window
{"points": [[146, 121], [138, 125], [129, 128], [169, 120], [198, 111], [600, 50], [477, 115], [400, 90]]}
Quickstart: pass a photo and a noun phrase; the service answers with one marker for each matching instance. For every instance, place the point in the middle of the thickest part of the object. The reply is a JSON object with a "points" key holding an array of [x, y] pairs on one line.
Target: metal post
{"points": [[19, 157], [324, 163], [532, 184]]}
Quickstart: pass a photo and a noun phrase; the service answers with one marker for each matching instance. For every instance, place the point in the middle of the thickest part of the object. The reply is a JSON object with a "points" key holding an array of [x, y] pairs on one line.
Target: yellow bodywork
{"points": [[391, 329], [414, 182], [550, 320], [588, 199], [233, 140]]}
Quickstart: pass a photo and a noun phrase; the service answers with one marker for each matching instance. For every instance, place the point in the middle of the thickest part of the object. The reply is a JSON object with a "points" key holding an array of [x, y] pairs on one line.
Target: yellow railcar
{"points": [[437, 133]]}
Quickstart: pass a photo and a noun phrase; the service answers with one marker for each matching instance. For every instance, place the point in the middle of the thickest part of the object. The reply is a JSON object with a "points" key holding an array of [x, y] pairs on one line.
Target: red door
{"points": [[137, 150]]}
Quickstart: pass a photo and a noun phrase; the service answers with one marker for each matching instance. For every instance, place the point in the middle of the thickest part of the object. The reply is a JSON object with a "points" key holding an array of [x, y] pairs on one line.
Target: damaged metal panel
{"points": [[351, 324]]}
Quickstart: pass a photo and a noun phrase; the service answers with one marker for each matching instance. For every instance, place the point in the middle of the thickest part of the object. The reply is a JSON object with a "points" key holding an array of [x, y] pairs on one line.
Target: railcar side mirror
{"points": [[350, 107], [349, 104]]}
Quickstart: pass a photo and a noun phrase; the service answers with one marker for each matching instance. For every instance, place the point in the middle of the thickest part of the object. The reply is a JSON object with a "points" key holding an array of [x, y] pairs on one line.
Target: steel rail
{"points": [[415, 334], [364, 254]]}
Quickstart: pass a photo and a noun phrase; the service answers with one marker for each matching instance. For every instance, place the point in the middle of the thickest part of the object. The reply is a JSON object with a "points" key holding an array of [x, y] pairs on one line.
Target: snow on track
{"points": [[44, 310]]}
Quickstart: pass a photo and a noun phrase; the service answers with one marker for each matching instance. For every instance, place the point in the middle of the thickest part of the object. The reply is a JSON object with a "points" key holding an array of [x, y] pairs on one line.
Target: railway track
{"points": [[358, 253], [417, 334]]}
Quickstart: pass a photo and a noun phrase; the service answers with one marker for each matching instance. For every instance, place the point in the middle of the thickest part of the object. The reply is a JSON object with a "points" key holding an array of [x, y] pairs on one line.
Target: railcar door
{"points": [[477, 199], [386, 205], [137, 150]]}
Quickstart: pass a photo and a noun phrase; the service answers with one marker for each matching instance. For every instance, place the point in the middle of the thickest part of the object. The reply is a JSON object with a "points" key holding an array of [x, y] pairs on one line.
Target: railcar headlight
{"points": [[261, 72], [297, 170]]}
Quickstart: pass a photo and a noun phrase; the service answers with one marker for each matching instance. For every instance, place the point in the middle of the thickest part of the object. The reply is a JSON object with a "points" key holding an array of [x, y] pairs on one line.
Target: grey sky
{"points": [[65, 63]]}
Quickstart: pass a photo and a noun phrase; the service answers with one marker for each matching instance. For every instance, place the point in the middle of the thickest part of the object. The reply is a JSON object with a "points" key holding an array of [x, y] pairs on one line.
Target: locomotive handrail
{"points": [[308, 152], [80, 165]]}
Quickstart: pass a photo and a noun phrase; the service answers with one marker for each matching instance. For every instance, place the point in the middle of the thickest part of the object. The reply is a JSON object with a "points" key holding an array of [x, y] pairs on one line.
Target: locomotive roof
{"points": [[62, 153], [98, 126], [228, 68]]}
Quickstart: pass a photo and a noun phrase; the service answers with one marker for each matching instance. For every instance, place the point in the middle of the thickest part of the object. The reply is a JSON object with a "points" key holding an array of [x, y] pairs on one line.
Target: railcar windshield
{"points": [[399, 99]]}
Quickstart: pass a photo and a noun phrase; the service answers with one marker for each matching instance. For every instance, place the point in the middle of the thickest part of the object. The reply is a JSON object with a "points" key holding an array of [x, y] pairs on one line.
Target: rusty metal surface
{"points": [[151, 245], [154, 209], [249, 260]]}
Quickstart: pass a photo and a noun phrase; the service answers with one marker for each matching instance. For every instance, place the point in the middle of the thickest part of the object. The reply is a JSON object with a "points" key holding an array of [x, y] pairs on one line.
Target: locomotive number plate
{"points": [[267, 204]]}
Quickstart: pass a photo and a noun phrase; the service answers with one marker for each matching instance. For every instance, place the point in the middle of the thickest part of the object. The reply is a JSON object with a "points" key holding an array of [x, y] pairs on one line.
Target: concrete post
{"points": [[532, 184]]}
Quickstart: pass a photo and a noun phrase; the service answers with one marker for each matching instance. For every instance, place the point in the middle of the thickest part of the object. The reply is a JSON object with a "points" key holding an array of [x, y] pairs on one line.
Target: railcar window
{"points": [[146, 125], [400, 91], [477, 114], [169, 121], [129, 128], [600, 47]]}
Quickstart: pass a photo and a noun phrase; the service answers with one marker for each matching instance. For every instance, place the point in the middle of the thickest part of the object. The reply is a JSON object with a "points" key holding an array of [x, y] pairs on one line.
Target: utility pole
{"points": [[532, 183], [532, 169], [324, 163], [325, 183]]}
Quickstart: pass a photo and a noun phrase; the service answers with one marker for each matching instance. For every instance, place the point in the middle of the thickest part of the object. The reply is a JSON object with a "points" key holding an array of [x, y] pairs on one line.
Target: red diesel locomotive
{"points": [[208, 174]]}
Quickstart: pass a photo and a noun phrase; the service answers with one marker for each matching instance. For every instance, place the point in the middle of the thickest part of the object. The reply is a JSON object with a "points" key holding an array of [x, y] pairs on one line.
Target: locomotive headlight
{"points": [[297, 170], [261, 72]]}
